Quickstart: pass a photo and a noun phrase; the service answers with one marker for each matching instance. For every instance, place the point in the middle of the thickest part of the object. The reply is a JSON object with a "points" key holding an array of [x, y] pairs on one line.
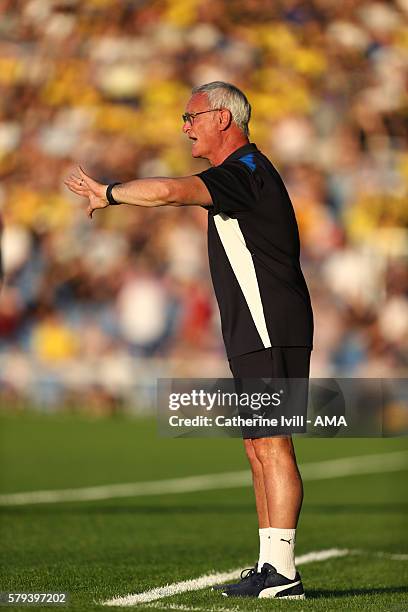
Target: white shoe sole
{"points": [[260, 596], [273, 593]]}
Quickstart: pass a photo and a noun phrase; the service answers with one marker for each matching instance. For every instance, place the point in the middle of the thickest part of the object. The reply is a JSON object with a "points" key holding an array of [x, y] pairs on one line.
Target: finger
{"points": [[79, 182], [73, 188], [74, 176], [92, 184], [73, 181], [83, 174], [79, 190]]}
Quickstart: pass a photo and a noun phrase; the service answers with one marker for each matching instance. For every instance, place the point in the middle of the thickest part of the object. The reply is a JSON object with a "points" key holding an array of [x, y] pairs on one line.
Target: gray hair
{"points": [[225, 95]]}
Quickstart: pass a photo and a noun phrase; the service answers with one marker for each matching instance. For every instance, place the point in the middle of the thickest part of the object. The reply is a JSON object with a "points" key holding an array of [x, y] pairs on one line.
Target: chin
{"points": [[197, 152]]}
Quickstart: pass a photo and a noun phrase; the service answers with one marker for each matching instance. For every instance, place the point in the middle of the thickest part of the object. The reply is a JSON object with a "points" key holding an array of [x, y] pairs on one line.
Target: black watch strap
{"points": [[109, 195]]}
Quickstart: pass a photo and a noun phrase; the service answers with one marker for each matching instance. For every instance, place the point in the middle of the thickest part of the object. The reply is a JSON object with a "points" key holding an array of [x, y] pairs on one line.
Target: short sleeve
{"points": [[231, 186]]}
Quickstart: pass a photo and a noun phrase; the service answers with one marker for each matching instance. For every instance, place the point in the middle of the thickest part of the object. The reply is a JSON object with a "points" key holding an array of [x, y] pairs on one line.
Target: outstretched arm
{"points": [[185, 191]]}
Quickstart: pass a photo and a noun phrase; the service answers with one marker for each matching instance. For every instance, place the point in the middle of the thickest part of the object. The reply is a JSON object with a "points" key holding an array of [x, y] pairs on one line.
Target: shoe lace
{"points": [[247, 573]]}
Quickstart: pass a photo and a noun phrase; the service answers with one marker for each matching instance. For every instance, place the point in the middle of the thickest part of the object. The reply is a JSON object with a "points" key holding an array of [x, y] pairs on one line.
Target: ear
{"points": [[225, 118]]}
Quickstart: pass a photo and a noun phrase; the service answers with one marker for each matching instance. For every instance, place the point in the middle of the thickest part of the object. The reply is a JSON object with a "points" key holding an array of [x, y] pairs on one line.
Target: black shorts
{"points": [[291, 365], [275, 362]]}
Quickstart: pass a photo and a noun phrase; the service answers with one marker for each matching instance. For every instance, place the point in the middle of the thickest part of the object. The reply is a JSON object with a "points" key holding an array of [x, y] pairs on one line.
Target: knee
{"points": [[273, 450]]}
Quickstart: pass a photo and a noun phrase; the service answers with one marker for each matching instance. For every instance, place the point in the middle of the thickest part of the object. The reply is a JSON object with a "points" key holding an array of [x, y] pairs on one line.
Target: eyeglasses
{"points": [[189, 117]]}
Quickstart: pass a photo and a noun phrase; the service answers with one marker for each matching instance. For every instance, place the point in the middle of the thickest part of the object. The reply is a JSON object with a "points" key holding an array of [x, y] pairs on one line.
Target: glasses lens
{"points": [[186, 118]]}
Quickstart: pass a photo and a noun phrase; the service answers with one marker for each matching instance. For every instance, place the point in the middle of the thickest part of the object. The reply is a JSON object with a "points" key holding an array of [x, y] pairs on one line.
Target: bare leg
{"points": [[283, 487], [259, 486]]}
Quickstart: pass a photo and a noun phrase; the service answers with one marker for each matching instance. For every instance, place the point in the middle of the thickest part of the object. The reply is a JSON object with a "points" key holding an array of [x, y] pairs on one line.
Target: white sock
{"points": [[282, 551], [264, 547]]}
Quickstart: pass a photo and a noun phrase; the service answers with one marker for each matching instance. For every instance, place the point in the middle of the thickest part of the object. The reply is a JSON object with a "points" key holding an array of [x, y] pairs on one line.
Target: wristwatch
{"points": [[109, 195]]}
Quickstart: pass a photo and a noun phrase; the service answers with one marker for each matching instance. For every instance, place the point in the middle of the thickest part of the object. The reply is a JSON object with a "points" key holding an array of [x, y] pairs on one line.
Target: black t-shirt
{"points": [[253, 249]]}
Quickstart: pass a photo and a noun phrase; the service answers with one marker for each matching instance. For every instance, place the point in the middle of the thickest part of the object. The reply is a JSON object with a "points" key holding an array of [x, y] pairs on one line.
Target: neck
{"points": [[227, 147]]}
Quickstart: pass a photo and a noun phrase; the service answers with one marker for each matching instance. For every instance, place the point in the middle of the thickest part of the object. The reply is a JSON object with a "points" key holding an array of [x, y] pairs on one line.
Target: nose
{"points": [[186, 127]]}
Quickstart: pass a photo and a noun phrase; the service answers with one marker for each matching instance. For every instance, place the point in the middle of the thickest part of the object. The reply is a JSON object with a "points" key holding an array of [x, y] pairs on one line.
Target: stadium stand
{"points": [[92, 313]]}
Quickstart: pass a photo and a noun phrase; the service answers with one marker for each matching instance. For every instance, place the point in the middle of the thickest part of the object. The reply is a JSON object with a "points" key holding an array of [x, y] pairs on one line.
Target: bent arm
{"points": [[185, 191]]}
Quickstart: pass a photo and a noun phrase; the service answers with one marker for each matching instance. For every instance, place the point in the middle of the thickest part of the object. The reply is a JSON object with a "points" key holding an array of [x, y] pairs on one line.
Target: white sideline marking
{"points": [[348, 466], [163, 606], [393, 557], [188, 484], [332, 468], [208, 580]]}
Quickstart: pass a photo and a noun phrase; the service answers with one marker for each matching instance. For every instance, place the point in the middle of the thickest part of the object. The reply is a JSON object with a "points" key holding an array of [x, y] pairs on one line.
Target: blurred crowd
{"points": [[93, 312]]}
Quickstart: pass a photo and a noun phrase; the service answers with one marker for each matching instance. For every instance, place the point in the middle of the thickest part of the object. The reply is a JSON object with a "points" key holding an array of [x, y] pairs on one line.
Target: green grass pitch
{"points": [[101, 549]]}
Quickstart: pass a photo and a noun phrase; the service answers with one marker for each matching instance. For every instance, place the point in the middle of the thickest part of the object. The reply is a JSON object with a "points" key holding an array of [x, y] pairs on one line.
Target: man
{"points": [[266, 315]]}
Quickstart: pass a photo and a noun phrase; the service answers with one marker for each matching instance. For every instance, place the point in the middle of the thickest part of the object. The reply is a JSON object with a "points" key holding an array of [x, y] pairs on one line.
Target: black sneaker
{"points": [[250, 584], [268, 584], [246, 577]]}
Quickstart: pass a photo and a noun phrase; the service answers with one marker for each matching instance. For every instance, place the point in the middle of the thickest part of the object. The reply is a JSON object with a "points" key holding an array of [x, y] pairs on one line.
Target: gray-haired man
{"points": [[264, 303]]}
